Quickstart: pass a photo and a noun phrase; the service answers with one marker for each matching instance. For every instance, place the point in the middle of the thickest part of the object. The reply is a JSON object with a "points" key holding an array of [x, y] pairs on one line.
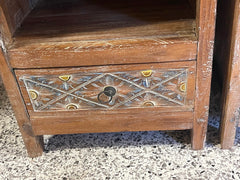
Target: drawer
{"points": [[167, 86]]}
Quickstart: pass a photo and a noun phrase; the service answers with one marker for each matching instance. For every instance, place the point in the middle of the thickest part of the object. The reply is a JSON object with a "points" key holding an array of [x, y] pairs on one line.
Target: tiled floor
{"points": [[132, 155]]}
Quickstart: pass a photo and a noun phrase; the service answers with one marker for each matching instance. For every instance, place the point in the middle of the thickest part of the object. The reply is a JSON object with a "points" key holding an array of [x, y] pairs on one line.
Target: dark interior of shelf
{"points": [[58, 20]]}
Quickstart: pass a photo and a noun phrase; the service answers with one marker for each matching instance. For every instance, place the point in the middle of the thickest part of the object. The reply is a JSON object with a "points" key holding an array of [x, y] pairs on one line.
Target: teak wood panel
{"points": [[129, 51], [228, 63], [64, 18], [34, 144], [116, 121], [12, 13], [199, 38], [169, 86], [63, 33], [206, 15]]}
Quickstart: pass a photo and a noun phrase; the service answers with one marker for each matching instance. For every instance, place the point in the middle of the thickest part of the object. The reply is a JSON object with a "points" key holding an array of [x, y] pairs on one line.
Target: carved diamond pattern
{"points": [[81, 90]]}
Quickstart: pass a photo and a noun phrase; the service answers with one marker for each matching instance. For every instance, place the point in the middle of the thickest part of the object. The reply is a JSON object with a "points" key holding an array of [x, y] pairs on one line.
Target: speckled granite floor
{"points": [[132, 155]]}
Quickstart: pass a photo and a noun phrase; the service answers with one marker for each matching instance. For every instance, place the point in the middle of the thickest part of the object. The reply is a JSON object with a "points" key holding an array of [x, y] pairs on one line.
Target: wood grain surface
{"points": [[94, 121], [61, 36], [34, 144], [115, 33], [228, 63], [12, 13], [170, 97], [206, 15]]}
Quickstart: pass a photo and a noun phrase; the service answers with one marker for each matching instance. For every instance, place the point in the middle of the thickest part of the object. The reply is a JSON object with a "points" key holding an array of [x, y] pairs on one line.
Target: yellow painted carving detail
{"points": [[146, 73], [65, 78], [33, 94], [148, 104], [183, 87], [72, 106]]}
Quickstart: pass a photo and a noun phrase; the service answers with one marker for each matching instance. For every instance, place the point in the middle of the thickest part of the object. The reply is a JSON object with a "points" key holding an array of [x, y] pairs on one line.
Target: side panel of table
{"points": [[34, 144], [12, 13], [206, 14], [228, 63]]}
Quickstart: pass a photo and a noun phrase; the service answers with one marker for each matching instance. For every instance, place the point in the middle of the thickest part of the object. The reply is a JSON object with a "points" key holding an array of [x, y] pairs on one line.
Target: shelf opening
{"points": [[95, 25]]}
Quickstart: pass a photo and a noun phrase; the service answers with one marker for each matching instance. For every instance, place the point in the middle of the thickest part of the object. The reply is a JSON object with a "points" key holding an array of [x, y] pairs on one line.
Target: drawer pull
{"points": [[106, 95]]}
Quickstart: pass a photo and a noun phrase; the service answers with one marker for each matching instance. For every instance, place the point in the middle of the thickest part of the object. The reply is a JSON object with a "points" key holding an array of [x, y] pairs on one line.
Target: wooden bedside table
{"points": [[228, 66], [106, 66]]}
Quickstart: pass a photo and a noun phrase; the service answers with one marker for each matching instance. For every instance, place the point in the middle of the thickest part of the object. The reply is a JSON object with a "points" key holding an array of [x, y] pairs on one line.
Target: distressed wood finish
{"points": [[12, 13], [114, 121], [227, 58], [116, 33], [162, 50], [65, 40], [34, 144], [169, 85], [206, 15]]}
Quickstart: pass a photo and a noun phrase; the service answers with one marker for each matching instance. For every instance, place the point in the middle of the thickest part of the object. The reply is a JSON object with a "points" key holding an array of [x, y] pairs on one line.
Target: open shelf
{"points": [[114, 32]]}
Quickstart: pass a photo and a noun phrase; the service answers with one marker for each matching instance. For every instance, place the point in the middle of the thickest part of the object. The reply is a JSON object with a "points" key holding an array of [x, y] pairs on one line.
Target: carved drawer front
{"points": [[167, 85]]}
